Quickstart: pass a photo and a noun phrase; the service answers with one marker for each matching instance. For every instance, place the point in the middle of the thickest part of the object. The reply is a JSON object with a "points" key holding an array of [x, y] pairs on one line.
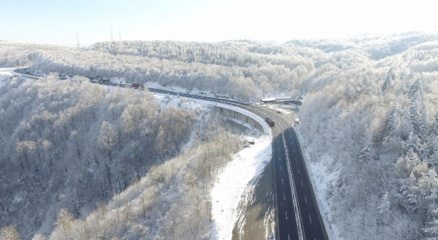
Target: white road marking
{"points": [[310, 218], [305, 199], [282, 181], [288, 237], [286, 215], [301, 183], [299, 222], [284, 197]]}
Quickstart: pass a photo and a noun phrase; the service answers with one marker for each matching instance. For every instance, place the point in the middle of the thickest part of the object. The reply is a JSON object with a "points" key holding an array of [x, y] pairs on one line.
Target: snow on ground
{"points": [[285, 109], [269, 99], [118, 80], [166, 101], [194, 91], [232, 182], [6, 71], [172, 88], [231, 179], [321, 174]]}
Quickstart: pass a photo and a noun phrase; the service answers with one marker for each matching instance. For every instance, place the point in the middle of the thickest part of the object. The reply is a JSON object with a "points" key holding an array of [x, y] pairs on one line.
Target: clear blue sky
{"points": [[56, 21]]}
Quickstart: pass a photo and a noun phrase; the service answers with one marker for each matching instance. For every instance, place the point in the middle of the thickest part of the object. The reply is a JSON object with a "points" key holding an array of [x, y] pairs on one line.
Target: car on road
{"points": [[270, 122], [62, 76], [104, 81], [138, 85], [296, 120]]}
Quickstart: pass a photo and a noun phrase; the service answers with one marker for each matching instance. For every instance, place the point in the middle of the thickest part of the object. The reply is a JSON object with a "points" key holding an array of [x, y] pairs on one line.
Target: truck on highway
{"points": [[270, 122]]}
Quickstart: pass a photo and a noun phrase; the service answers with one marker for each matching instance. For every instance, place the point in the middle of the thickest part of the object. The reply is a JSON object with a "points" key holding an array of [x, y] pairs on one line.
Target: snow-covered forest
{"points": [[369, 129], [68, 147]]}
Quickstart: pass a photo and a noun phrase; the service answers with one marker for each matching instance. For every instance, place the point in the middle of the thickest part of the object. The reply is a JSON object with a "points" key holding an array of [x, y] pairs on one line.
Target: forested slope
{"points": [[368, 121], [74, 145], [370, 132]]}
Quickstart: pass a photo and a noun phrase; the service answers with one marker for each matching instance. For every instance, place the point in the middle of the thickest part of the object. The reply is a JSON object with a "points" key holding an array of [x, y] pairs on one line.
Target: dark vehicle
{"points": [[103, 80], [297, 102], [270, 122], [63, 76], [138, 86]]}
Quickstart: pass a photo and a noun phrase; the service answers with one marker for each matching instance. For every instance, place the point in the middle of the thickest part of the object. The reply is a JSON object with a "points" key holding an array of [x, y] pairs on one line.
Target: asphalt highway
{"points": [[298, 216]]}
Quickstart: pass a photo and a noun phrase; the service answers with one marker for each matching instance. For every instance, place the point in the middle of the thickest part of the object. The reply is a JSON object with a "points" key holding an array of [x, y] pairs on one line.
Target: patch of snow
{"points": [[269, 99], [172, 88], [7, 71], [231, 179], [118, 80], [282, 109], [17, 199], [166, 101], [153, 85], [232, 182]]}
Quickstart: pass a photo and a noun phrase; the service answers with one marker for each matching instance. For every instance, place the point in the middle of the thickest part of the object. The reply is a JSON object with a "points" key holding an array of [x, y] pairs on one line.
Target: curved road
{"points": [[298, 216]]}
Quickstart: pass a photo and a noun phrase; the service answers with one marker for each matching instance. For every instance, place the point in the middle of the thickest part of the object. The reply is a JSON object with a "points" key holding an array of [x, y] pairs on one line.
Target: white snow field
{"points": [[232, 182]]}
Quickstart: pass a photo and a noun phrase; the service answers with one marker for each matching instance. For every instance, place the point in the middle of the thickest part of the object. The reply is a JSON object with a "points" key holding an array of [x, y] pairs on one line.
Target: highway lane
{"points": [[288, 221], [312, 220], [298, 216], [286, 215], [308, 217]]}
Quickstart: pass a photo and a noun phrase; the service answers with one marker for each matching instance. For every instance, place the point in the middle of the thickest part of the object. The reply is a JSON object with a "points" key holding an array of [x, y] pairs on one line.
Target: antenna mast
{"points": [[77, 39], [111, 31]]}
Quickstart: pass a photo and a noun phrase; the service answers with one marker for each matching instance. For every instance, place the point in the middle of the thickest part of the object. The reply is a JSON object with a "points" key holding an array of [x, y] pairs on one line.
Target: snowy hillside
{"points": [[368, 126], [370, 132], [74, 145]]}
